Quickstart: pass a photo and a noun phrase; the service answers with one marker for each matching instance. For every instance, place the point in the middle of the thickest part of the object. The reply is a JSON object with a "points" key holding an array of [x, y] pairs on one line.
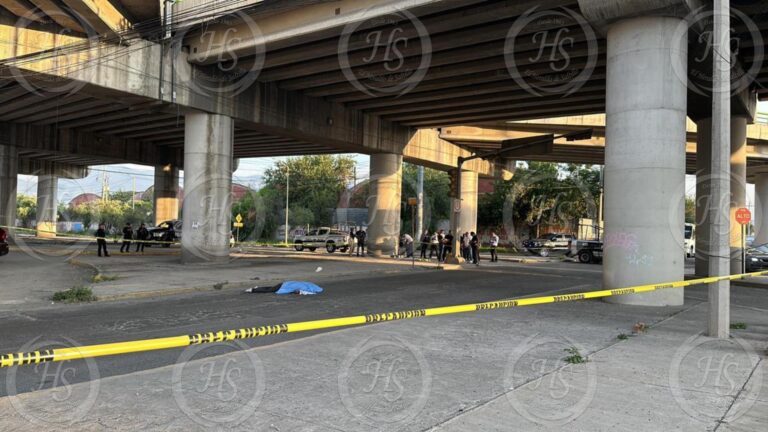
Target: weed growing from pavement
{"points": [[738, 326], [622, 336], [574, 357], [76, 294], [219, 285], [104, 278]]}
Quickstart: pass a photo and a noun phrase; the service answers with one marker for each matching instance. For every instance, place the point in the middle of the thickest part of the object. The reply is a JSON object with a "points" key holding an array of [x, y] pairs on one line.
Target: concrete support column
{"points": [[738, 186], [47, 190], [645, 159], [468, 209], [761, 209], [9, 170], [166, 200], [384, 203], [738, 190], [208, 145], [703, 194]]}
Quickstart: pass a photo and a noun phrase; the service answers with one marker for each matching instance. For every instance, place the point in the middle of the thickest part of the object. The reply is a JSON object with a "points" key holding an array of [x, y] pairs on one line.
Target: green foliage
{"points": [[77, 294], [738, 326], [104, 278], [437, 203], [316, 184], [26, 208], [574, 357], [542, 193], [113, 213], [690, 210], [622, 336]]}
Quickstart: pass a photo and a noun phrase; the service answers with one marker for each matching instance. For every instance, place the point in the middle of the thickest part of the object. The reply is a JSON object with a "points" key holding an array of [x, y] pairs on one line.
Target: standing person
{"points": [[494, 245], [127, 237], [360, 242], [448, 247], [424, 243], [465, 246], [440, 245], [433, 245], [352, 240], [474, 243], [101, 239], [141, 236]]}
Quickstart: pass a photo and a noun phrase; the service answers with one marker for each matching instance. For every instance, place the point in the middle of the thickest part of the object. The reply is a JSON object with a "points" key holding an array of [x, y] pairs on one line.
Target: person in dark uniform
{"points": [[474, 244], [127, 237], [101, 240], [141, 235], [360, 242], [448, 247], [424, 244]]}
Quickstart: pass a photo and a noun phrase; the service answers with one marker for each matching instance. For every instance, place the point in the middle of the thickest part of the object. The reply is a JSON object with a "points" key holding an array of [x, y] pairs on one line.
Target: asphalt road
{"points": [[179, 315]]}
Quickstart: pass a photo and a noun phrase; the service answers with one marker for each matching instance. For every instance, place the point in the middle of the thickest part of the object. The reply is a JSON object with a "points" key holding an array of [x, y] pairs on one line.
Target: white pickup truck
{"points": [[328, 238]]}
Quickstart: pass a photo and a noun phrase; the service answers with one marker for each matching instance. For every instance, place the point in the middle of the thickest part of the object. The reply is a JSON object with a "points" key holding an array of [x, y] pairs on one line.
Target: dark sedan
{"points": [[757, 258], [3, 242]]}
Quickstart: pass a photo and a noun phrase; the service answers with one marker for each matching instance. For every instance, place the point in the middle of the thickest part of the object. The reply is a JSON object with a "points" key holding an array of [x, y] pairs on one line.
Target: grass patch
{"points": [[622, 336], [219, 285], [104, 278], [77, 294], [574, 357], [738, 326]]}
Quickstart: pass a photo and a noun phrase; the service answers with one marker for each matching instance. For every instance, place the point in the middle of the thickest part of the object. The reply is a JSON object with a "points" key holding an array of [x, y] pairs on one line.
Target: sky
{"points": [[250, 172]]}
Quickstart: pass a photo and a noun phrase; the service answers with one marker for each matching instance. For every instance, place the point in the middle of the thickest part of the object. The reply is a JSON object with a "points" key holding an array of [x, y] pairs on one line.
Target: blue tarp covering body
{"points": [[292, 287]]}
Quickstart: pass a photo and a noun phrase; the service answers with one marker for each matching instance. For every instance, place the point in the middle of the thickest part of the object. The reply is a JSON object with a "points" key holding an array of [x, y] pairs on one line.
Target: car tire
{"points": [[330, 247], [299, 247], [585, 257], [312, 249], [544, 253]]}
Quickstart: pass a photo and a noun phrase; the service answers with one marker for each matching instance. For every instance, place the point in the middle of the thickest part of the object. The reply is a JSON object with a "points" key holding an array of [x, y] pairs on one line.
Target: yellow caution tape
{"points": [[88, 351]]}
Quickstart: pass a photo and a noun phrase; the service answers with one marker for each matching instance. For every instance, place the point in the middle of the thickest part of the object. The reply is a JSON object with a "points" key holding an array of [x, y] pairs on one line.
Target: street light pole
{"points": [[287, 194]]}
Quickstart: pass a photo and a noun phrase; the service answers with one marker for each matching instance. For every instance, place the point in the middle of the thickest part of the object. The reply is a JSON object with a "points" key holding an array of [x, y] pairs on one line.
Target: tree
{"points": [[690, 209], [316, 183], [542, 193], [437, 202], [26, 209]]}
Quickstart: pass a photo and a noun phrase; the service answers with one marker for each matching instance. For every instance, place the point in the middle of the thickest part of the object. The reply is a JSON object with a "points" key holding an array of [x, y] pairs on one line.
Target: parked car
{"points": [[690, 240], [587, 251], [3, 242], [161, 232], [756, 258], [325, 237], [548, 243]]}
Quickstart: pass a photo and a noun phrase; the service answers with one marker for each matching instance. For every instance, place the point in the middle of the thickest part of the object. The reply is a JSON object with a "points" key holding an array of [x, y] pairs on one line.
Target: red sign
{"points": [[743, 216]]}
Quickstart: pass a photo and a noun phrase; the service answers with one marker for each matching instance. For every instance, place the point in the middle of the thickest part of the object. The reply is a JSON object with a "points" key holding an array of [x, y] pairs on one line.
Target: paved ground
{"points": [[495, 370]]}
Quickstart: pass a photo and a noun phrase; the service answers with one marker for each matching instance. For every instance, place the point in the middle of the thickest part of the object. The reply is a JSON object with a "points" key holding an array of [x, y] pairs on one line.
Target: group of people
{"points": [[142, 235], [357, 241], [440, 244]]}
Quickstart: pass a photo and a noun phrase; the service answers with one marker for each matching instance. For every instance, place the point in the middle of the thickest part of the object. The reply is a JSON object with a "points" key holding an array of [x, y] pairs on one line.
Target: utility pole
{"points": [[719, 220], [287, 194]]}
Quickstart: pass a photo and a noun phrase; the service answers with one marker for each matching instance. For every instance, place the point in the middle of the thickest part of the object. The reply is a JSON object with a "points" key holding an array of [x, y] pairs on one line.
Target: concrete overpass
{"points": [[213, 83]]}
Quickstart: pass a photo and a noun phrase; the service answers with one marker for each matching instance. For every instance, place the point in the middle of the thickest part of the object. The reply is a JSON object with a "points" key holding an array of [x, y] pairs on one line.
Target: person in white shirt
{"points": [[494, 245]]}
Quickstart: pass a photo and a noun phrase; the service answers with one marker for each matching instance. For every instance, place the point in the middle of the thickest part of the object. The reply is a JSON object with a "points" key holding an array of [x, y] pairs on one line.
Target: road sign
{"points": [[238, 224], [743, 216], [239, 218], [413, 201]]}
